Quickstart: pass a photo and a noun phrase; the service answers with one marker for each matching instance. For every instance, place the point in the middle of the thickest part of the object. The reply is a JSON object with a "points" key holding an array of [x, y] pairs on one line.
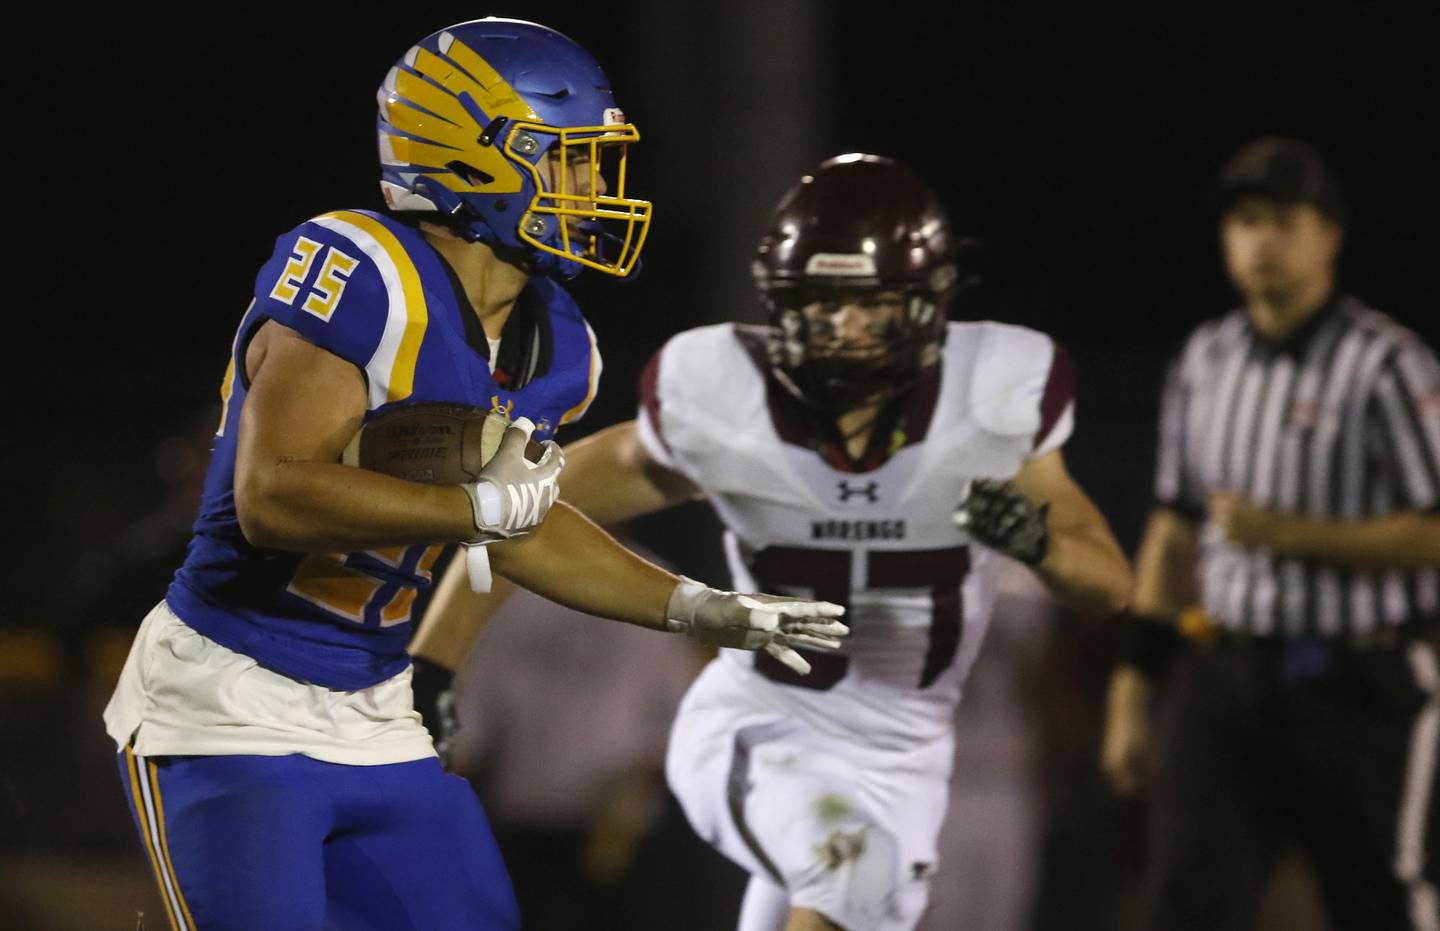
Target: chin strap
{"points": [[605, 237]]}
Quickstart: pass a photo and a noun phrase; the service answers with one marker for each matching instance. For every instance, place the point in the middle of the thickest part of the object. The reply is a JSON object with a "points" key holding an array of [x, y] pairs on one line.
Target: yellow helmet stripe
{"points": [[487, 87], [432, 129], [421, 153], [500, 98], [504, 178], [417, 90]]}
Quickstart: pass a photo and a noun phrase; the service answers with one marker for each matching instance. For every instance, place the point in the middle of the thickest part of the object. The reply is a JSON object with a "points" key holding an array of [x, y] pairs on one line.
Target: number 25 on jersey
{"points": [[324, 294]]}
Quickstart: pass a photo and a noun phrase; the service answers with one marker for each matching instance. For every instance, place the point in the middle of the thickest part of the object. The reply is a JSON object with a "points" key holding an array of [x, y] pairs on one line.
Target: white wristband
{"points": [[680, 611], [477, 567], [486, 502]]}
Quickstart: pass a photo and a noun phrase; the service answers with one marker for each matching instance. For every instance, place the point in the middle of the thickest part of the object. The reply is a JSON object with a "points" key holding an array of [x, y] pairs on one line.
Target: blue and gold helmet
{"points": [[498, 124]]}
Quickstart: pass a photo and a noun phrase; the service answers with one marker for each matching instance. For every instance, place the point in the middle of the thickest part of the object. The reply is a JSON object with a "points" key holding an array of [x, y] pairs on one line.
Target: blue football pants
{"points": [[289, 842]]}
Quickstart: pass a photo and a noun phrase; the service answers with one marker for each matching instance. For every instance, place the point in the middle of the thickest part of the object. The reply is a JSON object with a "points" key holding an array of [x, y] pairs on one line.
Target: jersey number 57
{"points": [[827, 573]]}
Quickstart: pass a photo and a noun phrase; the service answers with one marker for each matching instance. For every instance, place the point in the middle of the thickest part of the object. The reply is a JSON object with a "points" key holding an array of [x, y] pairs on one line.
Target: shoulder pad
{"points": [[1007, 385], [347, 283], [697, 363], [695, 386]]}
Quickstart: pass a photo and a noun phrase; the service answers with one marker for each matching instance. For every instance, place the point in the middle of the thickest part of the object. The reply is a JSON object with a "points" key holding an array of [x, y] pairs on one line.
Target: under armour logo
{"points": [[871, 491], [501, 408]]}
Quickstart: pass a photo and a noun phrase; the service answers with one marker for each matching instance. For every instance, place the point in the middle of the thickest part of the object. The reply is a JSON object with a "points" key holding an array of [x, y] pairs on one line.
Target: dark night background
{"points": [[154, 157]]}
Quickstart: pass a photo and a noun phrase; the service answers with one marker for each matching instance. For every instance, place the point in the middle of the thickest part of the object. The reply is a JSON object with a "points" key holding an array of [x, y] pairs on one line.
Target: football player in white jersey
{"points": [[863, 450]]}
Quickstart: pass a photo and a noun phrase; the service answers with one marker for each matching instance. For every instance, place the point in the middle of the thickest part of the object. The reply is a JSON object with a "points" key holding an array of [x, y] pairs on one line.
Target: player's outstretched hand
{"points": [[513, 494], [755, 622], [997, 515]]}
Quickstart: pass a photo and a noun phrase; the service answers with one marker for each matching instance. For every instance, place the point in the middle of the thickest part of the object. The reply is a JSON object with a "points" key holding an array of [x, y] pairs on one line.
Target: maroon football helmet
{"points": [[859, 228]]}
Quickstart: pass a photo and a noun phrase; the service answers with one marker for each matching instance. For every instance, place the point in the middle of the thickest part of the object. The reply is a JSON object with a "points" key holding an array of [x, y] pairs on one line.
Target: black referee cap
{"points": [[1284, 170]]}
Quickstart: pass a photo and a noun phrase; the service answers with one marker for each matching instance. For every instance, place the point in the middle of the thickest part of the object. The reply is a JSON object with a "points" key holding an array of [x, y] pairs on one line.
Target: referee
{"points": [[1296, 539]]}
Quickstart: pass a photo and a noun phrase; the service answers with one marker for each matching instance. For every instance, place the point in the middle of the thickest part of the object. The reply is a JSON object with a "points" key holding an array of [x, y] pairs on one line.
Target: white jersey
{"points": [[880, 542]]}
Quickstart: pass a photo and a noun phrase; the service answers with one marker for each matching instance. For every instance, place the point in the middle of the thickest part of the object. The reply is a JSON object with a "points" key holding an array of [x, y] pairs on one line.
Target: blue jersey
{"points": [[371, 290]]}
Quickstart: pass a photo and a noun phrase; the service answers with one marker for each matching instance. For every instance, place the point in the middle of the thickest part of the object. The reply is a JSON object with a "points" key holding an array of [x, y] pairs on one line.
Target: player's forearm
{"points": [[1125, 745], [457, 616], [1407, 540], [610, 479], [322, 507], [1129, 689], [1165, 581], [1085, 570], [570, 560], [608, 495]]}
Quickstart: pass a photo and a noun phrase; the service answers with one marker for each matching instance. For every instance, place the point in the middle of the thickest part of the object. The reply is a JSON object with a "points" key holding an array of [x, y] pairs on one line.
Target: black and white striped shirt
{"points": [[1341, 421]]}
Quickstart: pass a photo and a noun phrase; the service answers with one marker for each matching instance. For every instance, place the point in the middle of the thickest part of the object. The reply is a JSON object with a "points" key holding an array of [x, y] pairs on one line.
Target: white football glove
{"points": [[513, 494], [755, 622]]}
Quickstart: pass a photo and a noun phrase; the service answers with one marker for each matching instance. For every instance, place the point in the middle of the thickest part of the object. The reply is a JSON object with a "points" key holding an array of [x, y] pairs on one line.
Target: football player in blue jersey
{"points": [[277, 771]]}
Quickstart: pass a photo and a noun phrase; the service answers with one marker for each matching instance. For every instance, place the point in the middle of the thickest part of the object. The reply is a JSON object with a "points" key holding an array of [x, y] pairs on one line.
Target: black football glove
{"points": [[436, 703], [1000, 517]]}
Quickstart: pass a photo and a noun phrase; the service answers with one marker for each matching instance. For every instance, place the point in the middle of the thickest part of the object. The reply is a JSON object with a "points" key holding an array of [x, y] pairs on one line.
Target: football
{"points": [[435, 443]]}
